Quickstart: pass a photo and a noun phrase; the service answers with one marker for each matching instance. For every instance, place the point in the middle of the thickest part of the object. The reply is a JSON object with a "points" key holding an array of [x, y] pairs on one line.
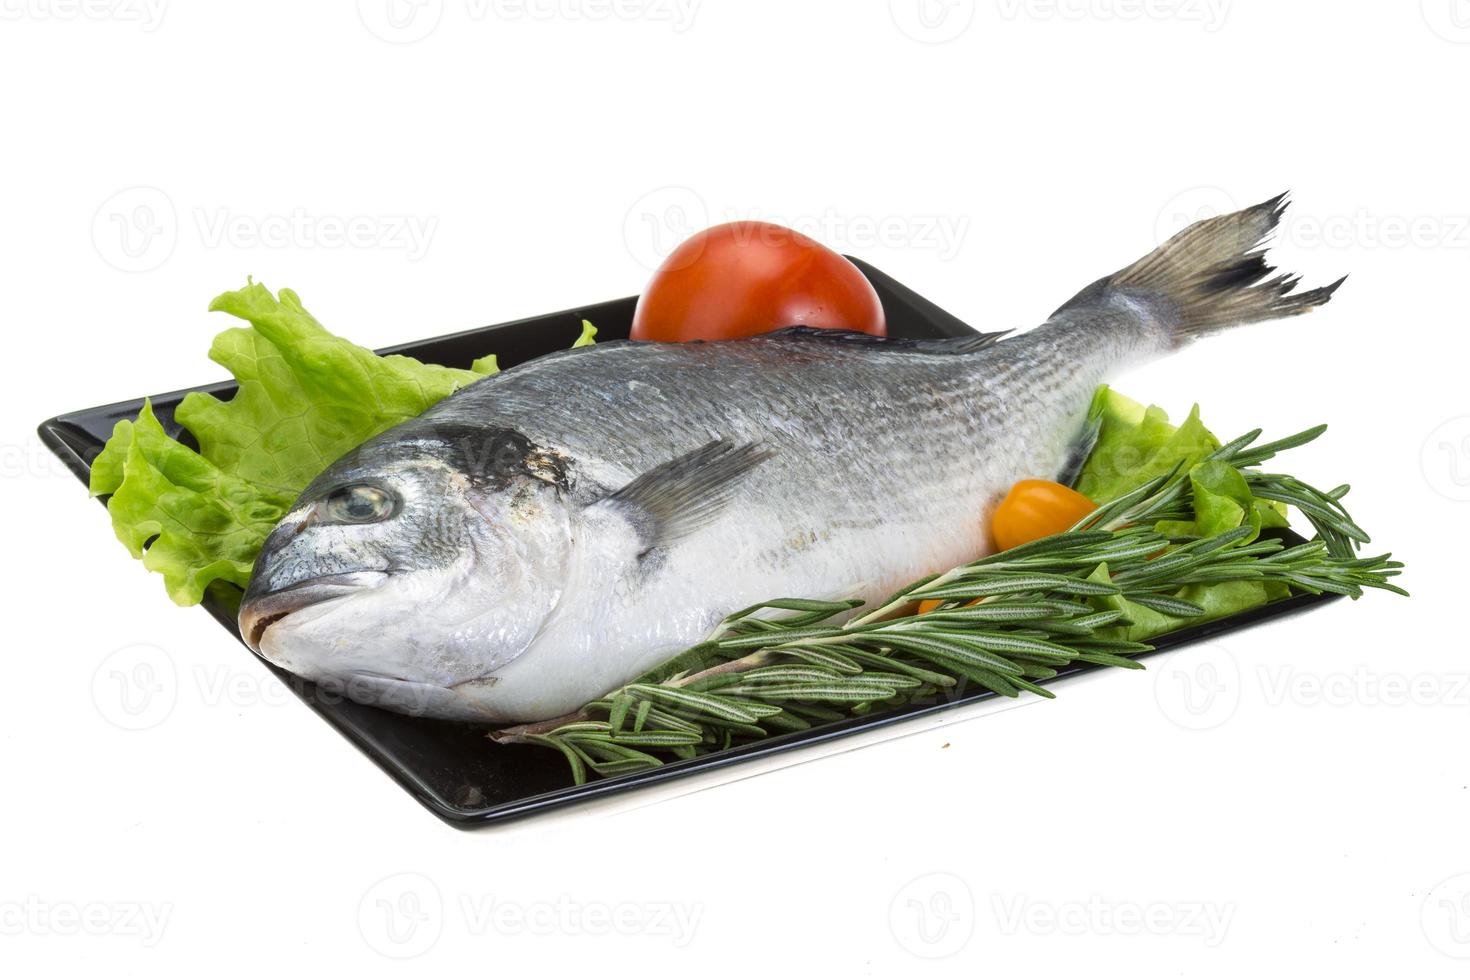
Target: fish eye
{"points": [[359, 504]]}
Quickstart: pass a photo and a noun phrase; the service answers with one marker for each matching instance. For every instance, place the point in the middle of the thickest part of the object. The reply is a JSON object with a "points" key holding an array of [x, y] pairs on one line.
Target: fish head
{"points": [[413, 569]]}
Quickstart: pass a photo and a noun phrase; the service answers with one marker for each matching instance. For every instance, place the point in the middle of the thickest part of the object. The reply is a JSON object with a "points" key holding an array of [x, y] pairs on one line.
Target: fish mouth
{"points": [[469, 683], [406, 695], [259, 613]]}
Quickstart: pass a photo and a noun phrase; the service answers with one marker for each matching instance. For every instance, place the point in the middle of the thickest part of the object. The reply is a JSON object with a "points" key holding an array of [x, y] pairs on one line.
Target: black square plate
{"points": [[451, 767]]}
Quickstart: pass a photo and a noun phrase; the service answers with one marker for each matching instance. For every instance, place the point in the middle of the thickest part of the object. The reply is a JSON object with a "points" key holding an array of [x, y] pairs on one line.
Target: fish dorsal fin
{"points": [[927, 345], [686, 493]]}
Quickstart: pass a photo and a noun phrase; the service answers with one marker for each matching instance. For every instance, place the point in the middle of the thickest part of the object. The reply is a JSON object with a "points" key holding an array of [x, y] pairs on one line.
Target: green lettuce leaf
{"points": [[588, 336], [1137, 444], [187, 519], [1223, 502], [1218, 600], [306, 397]]}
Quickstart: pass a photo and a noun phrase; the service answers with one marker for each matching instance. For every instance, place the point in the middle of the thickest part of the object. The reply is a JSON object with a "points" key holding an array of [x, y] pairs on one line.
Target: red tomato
{"points": [[752, 277]]}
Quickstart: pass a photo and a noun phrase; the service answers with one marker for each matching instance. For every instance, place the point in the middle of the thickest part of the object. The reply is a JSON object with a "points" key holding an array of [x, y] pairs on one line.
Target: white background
{"points": [[1294, 798]]}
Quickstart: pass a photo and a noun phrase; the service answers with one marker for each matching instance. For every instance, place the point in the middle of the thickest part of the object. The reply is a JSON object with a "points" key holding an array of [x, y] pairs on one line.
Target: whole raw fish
{"points": [[551, 532]]}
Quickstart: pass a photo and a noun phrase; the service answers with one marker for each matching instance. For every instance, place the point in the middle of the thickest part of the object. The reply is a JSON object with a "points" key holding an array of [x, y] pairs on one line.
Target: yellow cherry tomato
{"points": [[929, 605], [1034, 509]]}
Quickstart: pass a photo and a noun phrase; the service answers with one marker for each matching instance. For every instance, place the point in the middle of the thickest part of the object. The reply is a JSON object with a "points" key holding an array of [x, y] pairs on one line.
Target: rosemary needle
{"points": [[1005, 622]]}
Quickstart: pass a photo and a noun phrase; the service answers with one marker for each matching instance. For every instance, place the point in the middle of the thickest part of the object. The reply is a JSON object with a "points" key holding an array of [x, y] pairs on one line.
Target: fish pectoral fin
{"points": [[686, 493], [1084, 442]]}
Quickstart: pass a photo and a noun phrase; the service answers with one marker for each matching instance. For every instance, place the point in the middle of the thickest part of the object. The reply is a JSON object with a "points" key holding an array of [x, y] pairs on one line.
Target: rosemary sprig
{"points": [[1006, 623]]}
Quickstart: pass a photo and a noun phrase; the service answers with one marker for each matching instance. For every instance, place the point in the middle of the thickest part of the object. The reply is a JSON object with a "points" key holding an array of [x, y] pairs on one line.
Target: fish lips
{"points": [[259, 612], [410, 697]]}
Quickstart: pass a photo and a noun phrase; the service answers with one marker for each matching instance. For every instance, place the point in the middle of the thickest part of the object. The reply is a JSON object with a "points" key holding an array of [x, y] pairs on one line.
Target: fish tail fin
{"points": [[1213, 275]]}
